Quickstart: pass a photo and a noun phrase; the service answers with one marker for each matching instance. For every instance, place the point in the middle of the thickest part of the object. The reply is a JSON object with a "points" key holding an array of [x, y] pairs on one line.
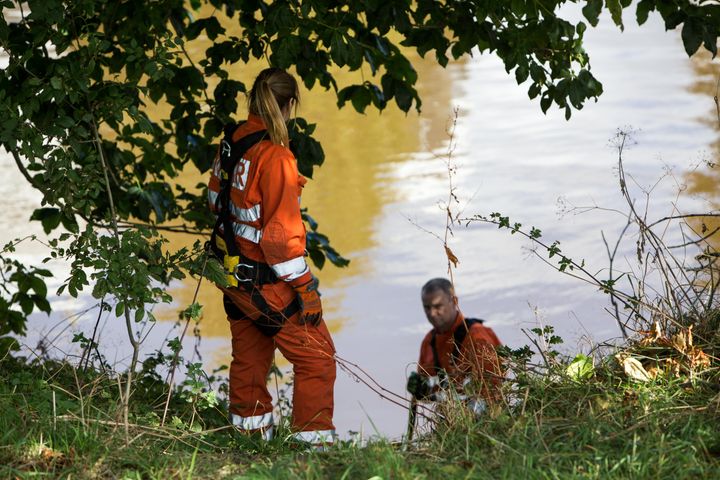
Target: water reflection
{"points": [[705, 180]]}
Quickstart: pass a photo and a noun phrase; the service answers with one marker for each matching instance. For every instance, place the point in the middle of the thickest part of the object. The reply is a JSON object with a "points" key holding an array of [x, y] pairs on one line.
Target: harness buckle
{"points": [[225, 148], [243, 277]]}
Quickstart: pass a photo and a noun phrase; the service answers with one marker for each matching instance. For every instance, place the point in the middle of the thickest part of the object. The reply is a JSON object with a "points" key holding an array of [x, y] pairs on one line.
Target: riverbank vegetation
{"points": [[648, 410]]}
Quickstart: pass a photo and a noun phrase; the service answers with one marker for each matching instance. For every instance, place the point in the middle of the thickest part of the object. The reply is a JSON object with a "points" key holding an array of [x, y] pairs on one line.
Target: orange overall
{"points": [[474, 359], [268, 228]]}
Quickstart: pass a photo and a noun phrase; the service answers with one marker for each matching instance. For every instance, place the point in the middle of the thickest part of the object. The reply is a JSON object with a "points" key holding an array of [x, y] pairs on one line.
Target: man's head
{"points": [[440, 303]]}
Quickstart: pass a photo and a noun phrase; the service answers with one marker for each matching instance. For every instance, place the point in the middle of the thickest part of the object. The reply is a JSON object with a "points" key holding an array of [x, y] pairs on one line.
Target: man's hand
{"points": [[418, 385], [310, 304]]}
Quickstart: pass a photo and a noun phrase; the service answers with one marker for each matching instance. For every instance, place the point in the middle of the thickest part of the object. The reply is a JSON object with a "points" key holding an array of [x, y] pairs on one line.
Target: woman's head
{"points": [[273, 95]]}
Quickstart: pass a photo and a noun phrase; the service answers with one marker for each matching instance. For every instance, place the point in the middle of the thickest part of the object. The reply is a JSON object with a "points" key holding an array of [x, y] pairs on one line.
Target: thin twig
{"points": [[539, 349], [167, 228], [173, 365], [686, 215], [128, 323], [92, 339], [611, 259], [717, 103], [373, 385]]}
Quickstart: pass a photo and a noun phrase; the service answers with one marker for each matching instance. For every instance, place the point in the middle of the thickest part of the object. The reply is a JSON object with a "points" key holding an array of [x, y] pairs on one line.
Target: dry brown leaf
{"points": [[698, 358], [679, 342], [672, 367], [46, 457], [651, 337], [633, 368], [657, 331], [451, 256]]}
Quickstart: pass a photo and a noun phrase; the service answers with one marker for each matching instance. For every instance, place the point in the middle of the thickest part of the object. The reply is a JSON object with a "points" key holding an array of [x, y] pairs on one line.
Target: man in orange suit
{"points": [[457, 354]]}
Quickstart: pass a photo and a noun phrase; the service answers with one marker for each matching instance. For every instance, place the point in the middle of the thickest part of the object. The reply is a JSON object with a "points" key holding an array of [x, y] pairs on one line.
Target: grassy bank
{"points": [[594, 419]]}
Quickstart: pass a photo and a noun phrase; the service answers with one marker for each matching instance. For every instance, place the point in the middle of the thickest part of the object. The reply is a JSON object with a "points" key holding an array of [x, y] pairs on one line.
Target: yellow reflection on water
{"points": [[705, 181], [346, 195]]}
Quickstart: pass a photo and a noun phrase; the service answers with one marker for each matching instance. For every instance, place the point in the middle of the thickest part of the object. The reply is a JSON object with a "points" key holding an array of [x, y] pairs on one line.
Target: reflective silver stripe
{"points": [[212, 197], [251, 214], [247, 232], [255, 422], [315, 436], [291, 269]]}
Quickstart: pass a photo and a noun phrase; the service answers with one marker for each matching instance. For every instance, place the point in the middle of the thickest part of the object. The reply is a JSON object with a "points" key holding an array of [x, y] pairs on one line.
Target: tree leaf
{"points": [[710, 41], [361, 98], [692, 36], [521, 73], [592, 10], [50, 218], [403, 97], [545, 102], [644, 7], [615, 12]]}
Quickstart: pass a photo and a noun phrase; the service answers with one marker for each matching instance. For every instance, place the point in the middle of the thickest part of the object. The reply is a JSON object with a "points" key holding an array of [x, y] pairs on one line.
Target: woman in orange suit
{"points": [[271, 299]]}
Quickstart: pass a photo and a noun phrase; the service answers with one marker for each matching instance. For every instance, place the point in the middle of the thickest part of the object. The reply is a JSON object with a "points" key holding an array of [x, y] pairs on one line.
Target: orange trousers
{"points": [[309, 348]]}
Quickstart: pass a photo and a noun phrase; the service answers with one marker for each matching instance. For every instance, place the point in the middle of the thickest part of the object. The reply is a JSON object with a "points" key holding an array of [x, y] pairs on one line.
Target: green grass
{"points": [[605, 427]]}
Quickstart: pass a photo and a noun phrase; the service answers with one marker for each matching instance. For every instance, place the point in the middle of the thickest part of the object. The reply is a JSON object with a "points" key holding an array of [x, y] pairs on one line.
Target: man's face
{"points": [[440, 309]]}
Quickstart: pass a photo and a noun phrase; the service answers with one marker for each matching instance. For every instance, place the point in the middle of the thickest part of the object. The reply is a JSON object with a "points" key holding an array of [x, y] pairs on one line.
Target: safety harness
{"points": [[458, 338], [241, 271]]}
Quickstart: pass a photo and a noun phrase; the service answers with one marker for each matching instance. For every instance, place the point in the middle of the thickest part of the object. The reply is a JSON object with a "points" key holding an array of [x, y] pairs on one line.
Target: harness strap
{"points": [[230, 154], [250, 274], [433, 345], [271, 321], [458, 337]]}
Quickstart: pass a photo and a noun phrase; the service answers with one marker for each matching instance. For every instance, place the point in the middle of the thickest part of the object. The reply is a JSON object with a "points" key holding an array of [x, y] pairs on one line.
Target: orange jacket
{"points": [[476, 360], [265, 210]]}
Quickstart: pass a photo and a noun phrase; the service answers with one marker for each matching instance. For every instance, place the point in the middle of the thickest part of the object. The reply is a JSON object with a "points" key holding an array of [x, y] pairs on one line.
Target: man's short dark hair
{"points": [[438, 284]]}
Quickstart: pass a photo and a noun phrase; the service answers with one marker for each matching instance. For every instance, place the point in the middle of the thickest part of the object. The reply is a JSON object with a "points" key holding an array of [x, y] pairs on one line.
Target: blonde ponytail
{"points": [[272, 91]]}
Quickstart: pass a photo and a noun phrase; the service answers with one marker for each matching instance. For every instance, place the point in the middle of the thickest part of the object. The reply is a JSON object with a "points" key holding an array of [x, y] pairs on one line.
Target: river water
{"points": [[380, 197]]}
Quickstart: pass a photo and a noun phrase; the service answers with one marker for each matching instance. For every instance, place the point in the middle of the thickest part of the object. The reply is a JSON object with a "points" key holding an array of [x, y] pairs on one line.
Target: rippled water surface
{"points": [[379, 198]]}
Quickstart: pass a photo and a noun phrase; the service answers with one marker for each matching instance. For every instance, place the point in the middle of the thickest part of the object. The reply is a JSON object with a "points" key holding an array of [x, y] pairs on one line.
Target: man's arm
{"points": [[481, 360], [420, 383]]}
